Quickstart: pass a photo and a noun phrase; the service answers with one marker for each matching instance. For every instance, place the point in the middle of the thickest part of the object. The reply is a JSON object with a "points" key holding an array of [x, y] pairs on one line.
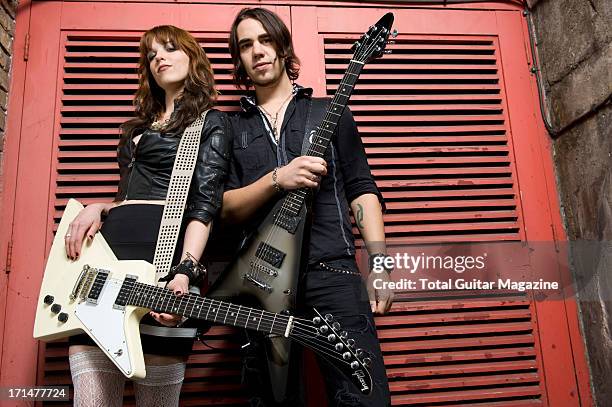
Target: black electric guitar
{"points": [[267, 267], [106, 298]]}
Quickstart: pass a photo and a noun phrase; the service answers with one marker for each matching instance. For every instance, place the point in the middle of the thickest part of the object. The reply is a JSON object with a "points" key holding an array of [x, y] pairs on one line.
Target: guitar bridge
{"points": [[257, 283], [260, 268]]}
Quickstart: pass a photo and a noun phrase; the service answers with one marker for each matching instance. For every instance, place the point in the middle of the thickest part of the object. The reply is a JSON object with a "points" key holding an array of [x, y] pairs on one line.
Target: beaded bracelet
{"points": [[275, 183]]}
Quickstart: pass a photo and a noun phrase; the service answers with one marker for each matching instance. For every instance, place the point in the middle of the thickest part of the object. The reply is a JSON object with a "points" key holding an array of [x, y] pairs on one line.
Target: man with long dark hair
{"points": [[269, 135]]}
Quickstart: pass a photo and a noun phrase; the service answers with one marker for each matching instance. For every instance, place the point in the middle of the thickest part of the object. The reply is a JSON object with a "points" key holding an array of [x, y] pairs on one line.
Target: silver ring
{"points": [[67, 235]]}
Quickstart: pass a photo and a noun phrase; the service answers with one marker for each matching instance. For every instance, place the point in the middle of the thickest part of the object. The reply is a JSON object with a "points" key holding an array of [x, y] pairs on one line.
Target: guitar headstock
{"points": [[340, 350], [372, 44]]}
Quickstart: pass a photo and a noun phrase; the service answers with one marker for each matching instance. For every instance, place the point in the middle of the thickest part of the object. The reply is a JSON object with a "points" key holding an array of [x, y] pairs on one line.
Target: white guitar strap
{"points": [[176, 198]]}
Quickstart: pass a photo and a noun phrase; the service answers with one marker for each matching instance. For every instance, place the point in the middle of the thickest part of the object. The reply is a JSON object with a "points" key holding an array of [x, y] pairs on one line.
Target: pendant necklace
{"points": [[274, 118]]}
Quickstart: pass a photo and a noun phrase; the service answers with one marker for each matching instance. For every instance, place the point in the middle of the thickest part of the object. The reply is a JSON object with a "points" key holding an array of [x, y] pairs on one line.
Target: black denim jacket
{"points": [[145, 168]]}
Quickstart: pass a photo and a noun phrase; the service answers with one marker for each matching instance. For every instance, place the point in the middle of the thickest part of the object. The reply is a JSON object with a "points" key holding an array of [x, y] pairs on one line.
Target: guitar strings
{"points": [[301, 327]]}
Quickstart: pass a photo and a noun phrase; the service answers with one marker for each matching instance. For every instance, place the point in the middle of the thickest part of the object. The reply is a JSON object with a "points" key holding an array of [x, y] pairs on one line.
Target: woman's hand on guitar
{"points": [[304, 171], [179, 285], [86, 223]]}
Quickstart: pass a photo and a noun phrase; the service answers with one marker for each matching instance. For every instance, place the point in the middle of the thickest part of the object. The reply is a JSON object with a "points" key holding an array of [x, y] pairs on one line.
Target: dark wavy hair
{"points": [[281, 40], [199, 92]]}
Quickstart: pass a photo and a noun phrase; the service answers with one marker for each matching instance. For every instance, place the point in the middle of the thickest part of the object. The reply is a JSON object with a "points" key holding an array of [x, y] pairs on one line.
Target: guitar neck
{"points": [[193, 306], [324, 132]]}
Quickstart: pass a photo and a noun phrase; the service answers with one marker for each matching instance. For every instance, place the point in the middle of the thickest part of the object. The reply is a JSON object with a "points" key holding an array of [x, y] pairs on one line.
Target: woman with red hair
{"points": [[176, 86]]}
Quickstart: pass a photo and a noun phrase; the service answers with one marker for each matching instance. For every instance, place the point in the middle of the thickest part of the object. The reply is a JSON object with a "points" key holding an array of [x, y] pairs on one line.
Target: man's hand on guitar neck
{"points": [[241, 204], [304, 171]]}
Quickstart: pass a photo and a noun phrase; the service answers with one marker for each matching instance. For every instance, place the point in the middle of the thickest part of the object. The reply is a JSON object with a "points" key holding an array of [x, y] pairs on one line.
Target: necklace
{"points": [[274, 118], [159, 124]]}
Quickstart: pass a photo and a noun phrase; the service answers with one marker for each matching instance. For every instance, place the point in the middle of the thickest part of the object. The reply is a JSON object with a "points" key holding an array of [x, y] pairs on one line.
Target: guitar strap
{"points": [[176, 197], [316, 110]]}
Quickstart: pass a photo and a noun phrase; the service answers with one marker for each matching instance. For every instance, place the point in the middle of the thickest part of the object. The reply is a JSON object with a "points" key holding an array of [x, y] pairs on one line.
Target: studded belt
{"points": [[327, 267]]}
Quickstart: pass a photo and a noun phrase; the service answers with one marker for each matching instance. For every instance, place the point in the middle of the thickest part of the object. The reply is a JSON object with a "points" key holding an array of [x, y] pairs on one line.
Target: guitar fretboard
{"points": [[193, 306]]}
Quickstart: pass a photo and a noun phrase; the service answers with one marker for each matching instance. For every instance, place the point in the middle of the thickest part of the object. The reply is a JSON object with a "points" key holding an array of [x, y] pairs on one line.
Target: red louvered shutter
{"points": [[434, 119], [431, 116]]}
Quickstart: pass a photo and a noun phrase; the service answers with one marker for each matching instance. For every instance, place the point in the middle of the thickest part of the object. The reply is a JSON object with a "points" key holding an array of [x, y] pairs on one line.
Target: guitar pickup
{"points": [[270, 255], [124, 293], [287, 222], [257, 283], [96, 286]]}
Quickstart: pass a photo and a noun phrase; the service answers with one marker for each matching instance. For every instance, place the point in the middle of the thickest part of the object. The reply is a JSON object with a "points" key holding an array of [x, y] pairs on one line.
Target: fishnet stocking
{"points": [[161, 387], [98, 383]]}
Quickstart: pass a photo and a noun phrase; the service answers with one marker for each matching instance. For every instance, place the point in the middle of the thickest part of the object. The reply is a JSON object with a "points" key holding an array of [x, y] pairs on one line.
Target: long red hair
{"points": [[199, 92]]}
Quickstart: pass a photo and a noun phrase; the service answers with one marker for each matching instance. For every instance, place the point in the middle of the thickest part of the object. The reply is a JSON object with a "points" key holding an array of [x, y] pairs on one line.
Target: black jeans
{"points": [[335, 288]]}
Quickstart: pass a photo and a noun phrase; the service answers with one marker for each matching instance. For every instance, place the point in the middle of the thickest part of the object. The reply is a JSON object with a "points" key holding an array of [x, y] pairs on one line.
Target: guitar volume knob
{"points": [[63, 317], [56, 308], [49, 299]]}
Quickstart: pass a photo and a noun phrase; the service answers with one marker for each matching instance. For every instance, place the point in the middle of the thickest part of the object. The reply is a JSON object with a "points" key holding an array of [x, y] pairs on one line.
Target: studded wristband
{"points": [[189, 267]]}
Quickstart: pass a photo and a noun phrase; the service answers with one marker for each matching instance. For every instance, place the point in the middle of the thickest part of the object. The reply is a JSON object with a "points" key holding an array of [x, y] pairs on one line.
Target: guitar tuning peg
{"points": [[329, 317], [331, 337], [343, 334], [367, 362], [391, 42], [324, 329], [346, 355], [316, 320], [350, 343], [354, 364], [394, 33], [339, 346], [359, 352], [388, 51], [336, 326]]}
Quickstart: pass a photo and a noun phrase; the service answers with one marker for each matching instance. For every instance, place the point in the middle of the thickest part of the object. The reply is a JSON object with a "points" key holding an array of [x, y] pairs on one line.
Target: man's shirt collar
{"points": [[249, 102]]}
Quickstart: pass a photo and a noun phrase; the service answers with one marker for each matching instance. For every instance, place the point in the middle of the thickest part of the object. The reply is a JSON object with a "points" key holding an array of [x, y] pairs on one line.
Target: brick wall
{"points": [[575, 50], [8, 8]]}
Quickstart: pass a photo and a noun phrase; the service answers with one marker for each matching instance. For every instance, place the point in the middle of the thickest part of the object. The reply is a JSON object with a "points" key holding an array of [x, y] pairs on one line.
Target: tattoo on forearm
{"points": [[359, 216]]}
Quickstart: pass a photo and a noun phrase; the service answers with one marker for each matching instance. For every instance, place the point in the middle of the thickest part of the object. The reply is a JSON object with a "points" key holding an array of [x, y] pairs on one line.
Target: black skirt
{"points": [[131, 232]]}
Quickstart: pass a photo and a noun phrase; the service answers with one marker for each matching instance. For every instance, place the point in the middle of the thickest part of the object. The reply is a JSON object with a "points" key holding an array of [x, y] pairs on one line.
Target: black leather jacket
{"points": [[145, 168]]}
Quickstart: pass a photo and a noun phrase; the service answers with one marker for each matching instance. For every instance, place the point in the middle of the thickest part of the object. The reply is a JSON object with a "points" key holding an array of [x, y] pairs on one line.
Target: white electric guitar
{"points": [[106, 298]]}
